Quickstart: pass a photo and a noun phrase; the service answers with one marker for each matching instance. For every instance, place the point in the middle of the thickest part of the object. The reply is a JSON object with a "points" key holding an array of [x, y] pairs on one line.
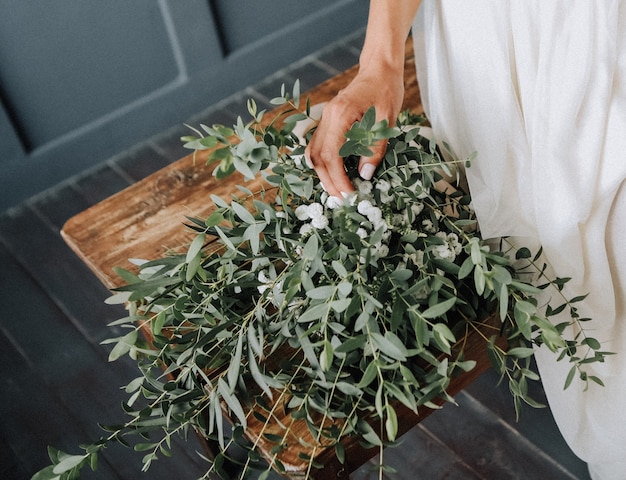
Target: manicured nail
{"points": [[344, 194], [367, 171]]}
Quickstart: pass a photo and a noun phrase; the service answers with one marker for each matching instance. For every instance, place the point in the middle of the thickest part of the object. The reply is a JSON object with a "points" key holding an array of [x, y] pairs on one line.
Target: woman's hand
{"points": [[379, 83], [380, 89]]}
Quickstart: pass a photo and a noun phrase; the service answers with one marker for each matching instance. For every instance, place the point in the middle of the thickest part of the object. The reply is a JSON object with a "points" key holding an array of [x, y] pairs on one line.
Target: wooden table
{"points": [[145, 221]]}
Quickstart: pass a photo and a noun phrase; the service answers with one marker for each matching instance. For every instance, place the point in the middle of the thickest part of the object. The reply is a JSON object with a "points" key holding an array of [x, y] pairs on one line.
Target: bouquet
{"points": [[338, 310]]}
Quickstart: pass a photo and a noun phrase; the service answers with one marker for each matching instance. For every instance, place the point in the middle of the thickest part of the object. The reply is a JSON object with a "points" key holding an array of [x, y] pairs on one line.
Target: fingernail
{"points": [[367, 171], [344, 194]]}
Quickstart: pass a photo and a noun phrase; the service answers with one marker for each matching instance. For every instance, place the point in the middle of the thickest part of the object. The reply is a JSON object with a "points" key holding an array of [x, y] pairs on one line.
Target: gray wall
{"points": [[81, 80]]}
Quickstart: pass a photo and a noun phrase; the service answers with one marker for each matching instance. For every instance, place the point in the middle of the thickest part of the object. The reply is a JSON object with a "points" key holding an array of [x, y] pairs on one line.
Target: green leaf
{"points": [[316, 312], [243, 213], [443, 336], [523, 312], [466, 268], [195, 248], [46, 474], [123, 345], [369, 435], [520, 352], [339, 269], [225, 239], [311, 248], [340, 306], [68, 463], [439, 309], [391, 423], [503, 301], [325, 292], [125, 275], [214, 219], [349, 389], [158, 322], [231, 401], [235, 364], [592, 343], [390, 345], [570, 377]]}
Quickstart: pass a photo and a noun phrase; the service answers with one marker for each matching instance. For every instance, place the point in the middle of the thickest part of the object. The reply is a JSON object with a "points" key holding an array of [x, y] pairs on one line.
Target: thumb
{"points": [[367, 165]]}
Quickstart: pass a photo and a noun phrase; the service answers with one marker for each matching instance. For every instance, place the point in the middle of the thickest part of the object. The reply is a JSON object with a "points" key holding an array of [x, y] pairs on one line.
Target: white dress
{"points": [[537, 88]]}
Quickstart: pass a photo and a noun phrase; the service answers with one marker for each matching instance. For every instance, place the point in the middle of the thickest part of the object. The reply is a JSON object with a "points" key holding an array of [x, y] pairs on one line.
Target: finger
{"points": [[368, 165], [330, 171]]}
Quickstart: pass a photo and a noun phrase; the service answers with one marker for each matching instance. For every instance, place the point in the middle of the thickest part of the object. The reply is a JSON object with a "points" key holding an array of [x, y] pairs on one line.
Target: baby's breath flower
{"points": [[416, 208], [320, 222], [383, 186], [302, 212], [382, 250], [364, 207], [364, 187], [315, 210], [374, 214], [428, 225], [333, 202], [306, 229], [385, 197]]}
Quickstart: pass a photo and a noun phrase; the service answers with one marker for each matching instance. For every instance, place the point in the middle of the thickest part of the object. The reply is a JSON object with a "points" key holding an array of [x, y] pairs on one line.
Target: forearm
{"points": [[388, 26]]}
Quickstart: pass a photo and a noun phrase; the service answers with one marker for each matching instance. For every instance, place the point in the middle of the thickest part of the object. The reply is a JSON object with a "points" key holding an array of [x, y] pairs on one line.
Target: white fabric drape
{"points": [[537, 88]]}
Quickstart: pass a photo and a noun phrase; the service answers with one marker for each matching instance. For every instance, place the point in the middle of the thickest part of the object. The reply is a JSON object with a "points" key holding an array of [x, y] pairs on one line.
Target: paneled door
{"points": [[81, 80]]}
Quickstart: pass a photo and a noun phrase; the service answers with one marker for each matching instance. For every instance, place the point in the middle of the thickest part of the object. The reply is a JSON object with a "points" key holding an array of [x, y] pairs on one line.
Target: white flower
{"points": [[333, 202], [302, 212], [380, 223], [374, 214], [306, 229], [385, 197], [453, 241], [315, 210], [364, 207], [416, 208], [381, 250], [417, 258], [383, 186], [281, 215], [450, 249], [428, 225], [363, 186], [319, 222], [443, 251], [361, 232]]}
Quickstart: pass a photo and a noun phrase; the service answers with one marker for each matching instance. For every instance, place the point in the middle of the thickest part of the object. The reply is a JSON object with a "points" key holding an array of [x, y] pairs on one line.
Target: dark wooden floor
{"points": [[57, 384]]}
